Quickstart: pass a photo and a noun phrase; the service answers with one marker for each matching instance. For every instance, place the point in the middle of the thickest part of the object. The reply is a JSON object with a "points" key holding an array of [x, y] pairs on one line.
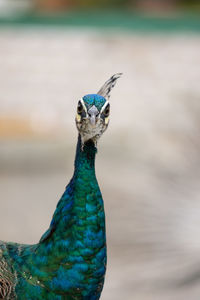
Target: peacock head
{"points": [[93, 112]]}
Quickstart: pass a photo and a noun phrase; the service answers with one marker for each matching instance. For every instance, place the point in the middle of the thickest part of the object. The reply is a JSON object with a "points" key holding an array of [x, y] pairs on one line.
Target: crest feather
{"points": [[108, 85]]}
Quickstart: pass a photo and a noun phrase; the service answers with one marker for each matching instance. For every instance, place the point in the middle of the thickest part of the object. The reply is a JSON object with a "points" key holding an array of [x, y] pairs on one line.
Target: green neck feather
{"points": [[79, 213], [70, 258]]}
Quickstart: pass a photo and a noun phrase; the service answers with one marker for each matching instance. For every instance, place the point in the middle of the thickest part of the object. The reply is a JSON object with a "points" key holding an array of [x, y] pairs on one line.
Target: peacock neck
{"points": [[85, 158], [78, 221], [68, 211], [70, 258]]}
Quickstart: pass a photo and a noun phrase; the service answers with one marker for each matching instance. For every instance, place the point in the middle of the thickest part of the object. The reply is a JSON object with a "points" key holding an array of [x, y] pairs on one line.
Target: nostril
{"points": [[95, 115], [93, 112]]}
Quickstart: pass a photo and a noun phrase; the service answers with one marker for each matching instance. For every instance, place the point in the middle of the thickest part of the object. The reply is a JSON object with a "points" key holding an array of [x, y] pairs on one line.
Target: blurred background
{"points": [[52, 52]]}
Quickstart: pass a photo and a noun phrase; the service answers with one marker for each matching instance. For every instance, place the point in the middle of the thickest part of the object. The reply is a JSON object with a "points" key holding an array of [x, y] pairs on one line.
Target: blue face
{"points": [[94, 99]]}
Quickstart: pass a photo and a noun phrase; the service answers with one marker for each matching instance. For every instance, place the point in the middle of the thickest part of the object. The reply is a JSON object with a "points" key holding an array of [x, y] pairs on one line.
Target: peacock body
{"points": [[69, 262]]}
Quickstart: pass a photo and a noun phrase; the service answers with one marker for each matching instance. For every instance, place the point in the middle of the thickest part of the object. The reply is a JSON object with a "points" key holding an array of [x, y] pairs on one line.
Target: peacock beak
{"points": [[93, 113], [93, 120]]}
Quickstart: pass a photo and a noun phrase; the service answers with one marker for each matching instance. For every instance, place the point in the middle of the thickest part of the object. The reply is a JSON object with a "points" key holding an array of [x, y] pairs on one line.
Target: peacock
{"points": [[69, 261]]}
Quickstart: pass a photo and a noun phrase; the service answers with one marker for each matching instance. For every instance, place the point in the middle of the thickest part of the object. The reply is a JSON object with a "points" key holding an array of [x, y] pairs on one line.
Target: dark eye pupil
{"points": [[79, 108], [107, 110]]}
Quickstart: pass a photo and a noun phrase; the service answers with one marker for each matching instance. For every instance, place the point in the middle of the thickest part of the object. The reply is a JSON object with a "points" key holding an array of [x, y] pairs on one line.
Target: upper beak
{"points": [[92, 120], [93, 113]]}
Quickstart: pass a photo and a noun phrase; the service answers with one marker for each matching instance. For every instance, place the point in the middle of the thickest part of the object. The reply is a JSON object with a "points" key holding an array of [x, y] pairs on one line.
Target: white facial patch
{"points": [[85, 108], [104, 106], [89, 128]]}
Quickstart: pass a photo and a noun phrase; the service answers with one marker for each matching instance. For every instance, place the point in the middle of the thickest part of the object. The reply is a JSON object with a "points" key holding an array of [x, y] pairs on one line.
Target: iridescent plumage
{"points": [[69, 262]]}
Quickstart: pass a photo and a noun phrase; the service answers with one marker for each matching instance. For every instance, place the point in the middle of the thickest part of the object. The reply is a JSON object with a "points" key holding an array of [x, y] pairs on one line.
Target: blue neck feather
{"points": [[70, 258]]}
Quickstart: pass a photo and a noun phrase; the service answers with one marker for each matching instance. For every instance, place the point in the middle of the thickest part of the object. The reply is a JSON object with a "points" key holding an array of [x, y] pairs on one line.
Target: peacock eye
{"points": [[107, 110], [79, 108]]}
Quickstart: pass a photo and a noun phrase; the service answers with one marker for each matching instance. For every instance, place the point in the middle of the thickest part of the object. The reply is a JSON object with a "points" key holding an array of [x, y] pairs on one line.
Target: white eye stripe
{"points": [[106, 103], [85, 109]]}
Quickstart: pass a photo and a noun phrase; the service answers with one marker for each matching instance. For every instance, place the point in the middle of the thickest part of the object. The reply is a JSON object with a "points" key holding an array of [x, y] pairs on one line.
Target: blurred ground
{"points": [[148, 161]]}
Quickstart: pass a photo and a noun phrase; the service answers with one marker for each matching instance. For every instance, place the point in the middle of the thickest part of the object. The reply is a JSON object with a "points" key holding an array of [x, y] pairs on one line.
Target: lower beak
{"points": [[93, 120]]}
